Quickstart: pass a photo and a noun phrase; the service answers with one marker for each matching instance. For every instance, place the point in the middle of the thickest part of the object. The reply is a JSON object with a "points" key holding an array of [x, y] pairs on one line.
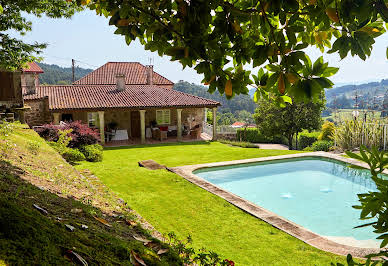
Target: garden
{"points": [[170, 203]]}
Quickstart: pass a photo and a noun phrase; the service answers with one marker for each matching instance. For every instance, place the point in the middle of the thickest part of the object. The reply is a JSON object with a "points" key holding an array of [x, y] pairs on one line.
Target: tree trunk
{"points": [[290, 137], [296, 141]]}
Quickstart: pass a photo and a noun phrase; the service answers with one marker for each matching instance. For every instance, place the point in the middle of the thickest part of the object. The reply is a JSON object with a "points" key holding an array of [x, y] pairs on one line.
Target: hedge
{"points": [[253, 135], [306, 139]]}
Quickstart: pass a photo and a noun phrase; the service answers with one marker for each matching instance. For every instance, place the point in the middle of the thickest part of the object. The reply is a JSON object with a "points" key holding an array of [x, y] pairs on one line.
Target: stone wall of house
{"points": [[38, 114], [122, 118], [190, 116]]}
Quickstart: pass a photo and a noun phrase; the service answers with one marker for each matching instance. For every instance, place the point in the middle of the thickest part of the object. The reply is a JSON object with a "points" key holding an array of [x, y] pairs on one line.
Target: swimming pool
{"points": [[316, 193]]}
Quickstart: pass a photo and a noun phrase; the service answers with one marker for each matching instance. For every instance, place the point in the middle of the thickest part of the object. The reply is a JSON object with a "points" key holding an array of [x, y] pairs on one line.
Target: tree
{"points": [[245, 116], [226, 118], [290, 120], [15, 53], [219, 38]]}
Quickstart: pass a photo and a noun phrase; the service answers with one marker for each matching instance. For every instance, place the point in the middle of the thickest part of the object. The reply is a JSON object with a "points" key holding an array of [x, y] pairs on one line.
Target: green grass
{"points": [[40, 176], [170, 203]]}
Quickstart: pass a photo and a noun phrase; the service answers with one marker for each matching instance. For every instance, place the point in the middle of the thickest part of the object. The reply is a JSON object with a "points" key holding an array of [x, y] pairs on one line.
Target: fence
{"points": [[222, 130]]}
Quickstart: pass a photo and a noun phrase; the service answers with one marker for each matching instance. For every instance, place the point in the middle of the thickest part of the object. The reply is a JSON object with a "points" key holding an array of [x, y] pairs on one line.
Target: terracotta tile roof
{"points": [[32, 68], [135, 74], [73, 97]]}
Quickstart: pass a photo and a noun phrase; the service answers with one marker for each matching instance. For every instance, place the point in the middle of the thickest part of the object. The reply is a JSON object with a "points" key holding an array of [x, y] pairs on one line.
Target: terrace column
{"points": [[102, 126], [142, 125], [56, 118], [179, 124], [215, 123]]}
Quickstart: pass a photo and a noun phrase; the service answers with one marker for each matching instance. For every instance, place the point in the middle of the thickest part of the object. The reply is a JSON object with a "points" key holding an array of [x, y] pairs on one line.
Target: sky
{"points": [[89, 40]]}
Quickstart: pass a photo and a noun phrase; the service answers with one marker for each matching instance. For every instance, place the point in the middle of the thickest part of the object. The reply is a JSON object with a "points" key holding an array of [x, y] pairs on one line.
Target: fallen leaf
{"points": [[130, 222], [73, 256], [138, 261], [138, 238], [102, 221], [41, 210], [162, 251]]}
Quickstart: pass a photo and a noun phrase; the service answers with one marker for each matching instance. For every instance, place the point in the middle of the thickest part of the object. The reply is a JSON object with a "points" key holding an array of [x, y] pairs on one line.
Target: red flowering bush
{"points": [[81, 134]]}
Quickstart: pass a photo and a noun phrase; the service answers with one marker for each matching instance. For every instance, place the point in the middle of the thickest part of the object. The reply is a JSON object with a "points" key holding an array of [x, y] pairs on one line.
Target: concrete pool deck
{"points": [[337, 245]]}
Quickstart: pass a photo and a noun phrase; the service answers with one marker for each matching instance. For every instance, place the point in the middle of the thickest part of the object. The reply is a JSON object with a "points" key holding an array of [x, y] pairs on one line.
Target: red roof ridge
{"points": [[32, 67]]}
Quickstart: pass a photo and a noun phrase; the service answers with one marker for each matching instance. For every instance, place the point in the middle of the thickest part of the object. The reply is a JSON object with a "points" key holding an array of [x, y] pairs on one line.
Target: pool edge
{"points": [[269, 217]]}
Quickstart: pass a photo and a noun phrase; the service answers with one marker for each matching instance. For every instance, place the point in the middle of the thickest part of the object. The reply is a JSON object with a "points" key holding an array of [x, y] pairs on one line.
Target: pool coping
{"points": [[273, 219]]}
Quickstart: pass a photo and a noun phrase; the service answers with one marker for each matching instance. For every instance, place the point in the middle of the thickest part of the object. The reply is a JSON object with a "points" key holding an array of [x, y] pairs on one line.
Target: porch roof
{"points": [[79, 97]]}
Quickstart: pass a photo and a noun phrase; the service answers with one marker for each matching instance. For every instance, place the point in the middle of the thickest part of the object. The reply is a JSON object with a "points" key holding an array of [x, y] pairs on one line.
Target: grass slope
{"points": [[29, 237], [171, 203]]}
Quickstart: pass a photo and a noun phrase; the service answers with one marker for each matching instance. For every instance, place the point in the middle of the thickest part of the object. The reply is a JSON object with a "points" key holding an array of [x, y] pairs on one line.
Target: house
{"points": [[123, 100]]}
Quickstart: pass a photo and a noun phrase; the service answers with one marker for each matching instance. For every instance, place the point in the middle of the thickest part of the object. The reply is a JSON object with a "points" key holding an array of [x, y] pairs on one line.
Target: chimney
{"points": [[150, 74], [31, 81], [120, 82]]}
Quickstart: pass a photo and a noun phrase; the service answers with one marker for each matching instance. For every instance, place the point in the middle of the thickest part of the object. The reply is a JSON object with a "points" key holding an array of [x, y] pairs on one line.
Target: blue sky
{"points": [[90, 40]]}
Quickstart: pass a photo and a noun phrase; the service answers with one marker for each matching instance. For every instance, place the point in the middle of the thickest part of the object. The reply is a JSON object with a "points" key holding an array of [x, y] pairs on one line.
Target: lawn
{"points": [[170, 203]]}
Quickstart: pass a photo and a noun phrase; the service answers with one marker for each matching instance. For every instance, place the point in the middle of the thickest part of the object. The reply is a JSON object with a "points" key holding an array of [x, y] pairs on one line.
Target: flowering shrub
{"points": [[80, 134]]}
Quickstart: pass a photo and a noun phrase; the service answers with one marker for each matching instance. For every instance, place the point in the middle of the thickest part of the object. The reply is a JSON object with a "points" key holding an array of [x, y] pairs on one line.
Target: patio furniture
{"points": [[159, 134], [148, 133], [195, 132], [121, 134]]}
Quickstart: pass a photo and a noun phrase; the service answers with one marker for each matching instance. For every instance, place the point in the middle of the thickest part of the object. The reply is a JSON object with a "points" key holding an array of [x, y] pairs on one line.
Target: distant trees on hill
{"points": [[56, 75], [237, 103]]}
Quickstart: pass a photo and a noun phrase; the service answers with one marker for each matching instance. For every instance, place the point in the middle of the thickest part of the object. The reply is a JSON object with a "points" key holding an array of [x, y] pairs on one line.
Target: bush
{"points": [[73, 155], [93, 153], [305, 139], [322, 145], [253, 135], [80, 134], [327, 132]]}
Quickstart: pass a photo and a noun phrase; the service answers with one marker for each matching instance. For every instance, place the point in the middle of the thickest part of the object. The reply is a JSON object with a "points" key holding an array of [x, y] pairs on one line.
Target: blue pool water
{"points": [[315, 193]]}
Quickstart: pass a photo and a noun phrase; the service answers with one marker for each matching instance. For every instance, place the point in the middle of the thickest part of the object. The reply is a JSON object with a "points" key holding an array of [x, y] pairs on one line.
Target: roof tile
{"points": [[32, 68], [107, 96], [135, 74]]}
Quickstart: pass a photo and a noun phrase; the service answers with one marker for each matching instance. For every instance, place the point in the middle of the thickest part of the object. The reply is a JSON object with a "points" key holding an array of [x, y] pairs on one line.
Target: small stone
{"points": [[83, 226], [121, 201], [69, 227], [76, 210]]}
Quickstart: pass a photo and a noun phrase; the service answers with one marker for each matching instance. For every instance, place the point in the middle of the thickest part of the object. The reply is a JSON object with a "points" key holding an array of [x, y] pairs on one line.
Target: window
{"points": [[163, 117], [67, 117], [93, 120]]}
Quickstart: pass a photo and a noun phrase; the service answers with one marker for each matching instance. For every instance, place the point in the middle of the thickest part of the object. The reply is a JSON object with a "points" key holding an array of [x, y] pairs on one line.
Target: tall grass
{"points": [[351, 134]]}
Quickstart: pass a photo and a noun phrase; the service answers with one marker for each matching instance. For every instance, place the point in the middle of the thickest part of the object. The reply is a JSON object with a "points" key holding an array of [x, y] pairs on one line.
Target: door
{"points": [[135, 124]]}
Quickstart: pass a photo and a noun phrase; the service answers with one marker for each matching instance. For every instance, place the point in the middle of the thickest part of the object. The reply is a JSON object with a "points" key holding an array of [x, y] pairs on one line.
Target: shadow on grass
{"points": [[30, 236], [158, 145]]}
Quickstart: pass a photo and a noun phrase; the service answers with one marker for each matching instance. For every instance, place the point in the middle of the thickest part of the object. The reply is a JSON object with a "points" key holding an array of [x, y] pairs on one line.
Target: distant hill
{"points": [[369, 95], [54, 74], [238, 103]]}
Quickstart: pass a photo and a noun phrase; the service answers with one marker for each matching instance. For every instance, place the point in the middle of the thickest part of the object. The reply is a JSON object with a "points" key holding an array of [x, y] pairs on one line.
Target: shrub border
{"points": [[273, 219]]}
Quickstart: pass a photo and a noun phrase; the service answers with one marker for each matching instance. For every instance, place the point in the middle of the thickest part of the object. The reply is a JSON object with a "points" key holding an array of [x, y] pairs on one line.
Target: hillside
{"points": [[50, 214], [238, 103], [54, 74], [370, 95]]}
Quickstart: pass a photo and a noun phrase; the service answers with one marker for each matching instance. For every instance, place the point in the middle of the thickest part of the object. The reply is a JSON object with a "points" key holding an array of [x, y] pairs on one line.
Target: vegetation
{"points": [[54, 74], [320, 145], [290, 120], [306, 139], [172, 203], [271, 33], [373, 205], [49, 212], [238, 103], [92, 153], [327, 132], [370, 96], [15, 53], [351, 134], [241, 144], [254, 135]]}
